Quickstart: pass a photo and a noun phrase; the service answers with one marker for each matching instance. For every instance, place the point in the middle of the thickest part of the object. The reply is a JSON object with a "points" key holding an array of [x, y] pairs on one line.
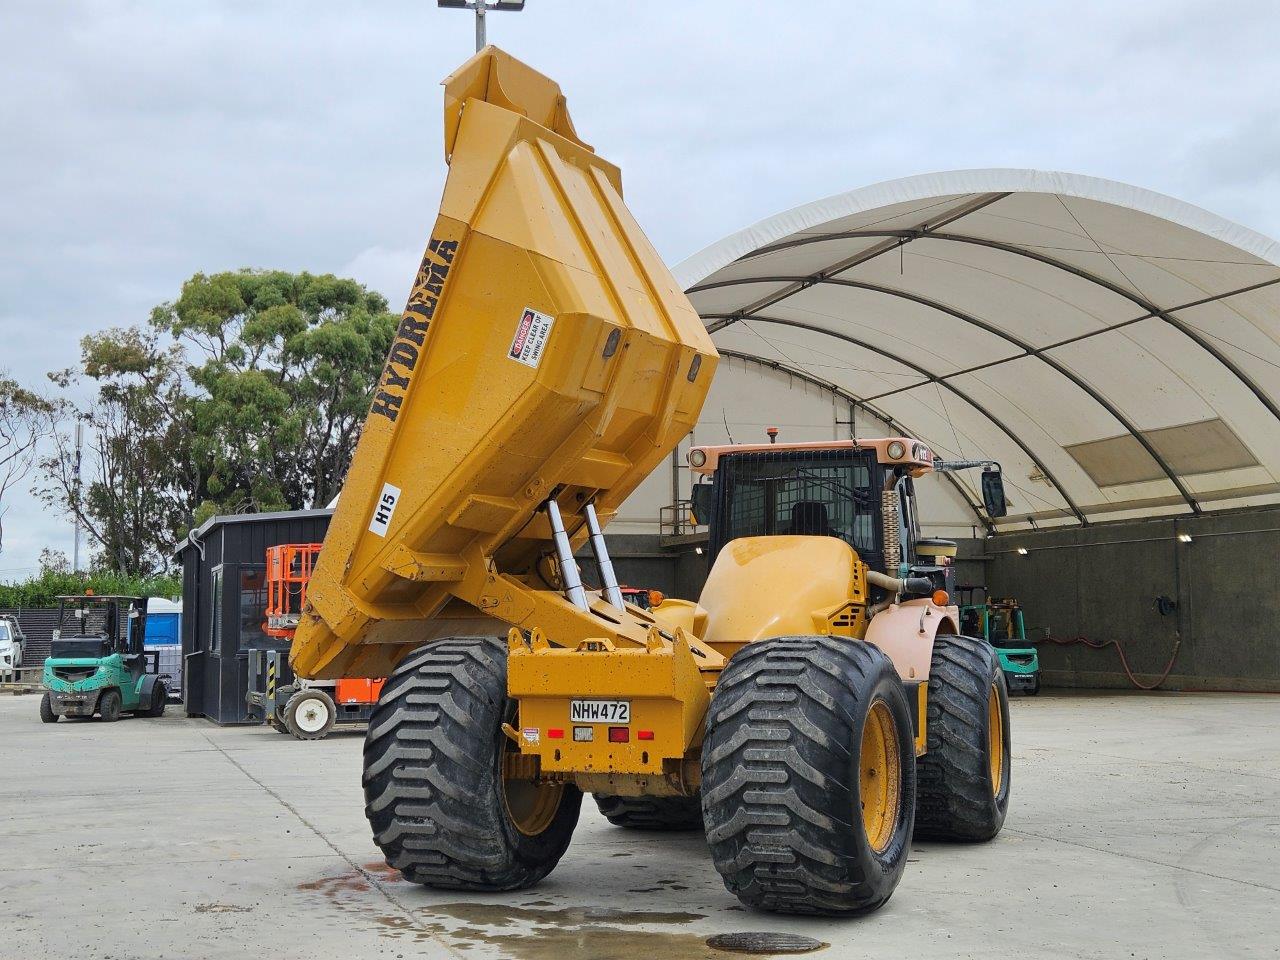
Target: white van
{"points": [[11, 638]]}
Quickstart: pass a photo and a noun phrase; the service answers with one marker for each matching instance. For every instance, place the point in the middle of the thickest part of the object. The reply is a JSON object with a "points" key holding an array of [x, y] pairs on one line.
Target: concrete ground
{"points": [[1141, 826]]}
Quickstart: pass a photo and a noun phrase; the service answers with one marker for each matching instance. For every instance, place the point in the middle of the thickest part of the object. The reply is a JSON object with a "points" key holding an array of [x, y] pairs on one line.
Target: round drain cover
{"points": [[764, 943]]}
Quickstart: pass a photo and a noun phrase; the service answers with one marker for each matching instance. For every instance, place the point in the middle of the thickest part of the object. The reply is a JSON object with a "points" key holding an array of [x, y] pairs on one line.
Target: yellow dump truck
{"points": [[810, 710]]}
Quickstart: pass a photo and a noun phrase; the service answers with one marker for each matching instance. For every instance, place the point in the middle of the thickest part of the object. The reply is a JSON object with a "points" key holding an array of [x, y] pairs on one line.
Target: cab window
{"points": [[828, 493]]}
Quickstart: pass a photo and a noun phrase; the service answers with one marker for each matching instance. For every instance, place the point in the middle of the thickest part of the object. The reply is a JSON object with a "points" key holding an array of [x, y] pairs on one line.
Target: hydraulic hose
{"points": [[895, 588], [1124, 661]]}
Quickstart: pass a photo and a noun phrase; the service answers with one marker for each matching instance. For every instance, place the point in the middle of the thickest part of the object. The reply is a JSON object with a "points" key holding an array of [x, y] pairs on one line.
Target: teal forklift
{"points": [[97, 664], [998, 620]]}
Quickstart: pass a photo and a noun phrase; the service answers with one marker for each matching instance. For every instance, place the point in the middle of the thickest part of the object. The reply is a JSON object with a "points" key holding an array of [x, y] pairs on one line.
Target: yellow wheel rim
{"points": [[879, 777], [995, 740], [530, 805]]}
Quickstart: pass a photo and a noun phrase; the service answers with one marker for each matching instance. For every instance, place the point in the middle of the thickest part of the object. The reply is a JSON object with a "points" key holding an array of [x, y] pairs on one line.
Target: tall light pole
{"points": [[481, 7], [75, 551]]}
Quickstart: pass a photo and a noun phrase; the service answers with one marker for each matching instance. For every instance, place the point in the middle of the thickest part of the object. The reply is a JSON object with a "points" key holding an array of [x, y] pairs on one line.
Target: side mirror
{"points": [[993, 493], [702, 498]]}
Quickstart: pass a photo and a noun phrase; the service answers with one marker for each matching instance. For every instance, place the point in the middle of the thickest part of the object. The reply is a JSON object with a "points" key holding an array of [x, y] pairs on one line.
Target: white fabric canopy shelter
{"points": [[1118, 351]]}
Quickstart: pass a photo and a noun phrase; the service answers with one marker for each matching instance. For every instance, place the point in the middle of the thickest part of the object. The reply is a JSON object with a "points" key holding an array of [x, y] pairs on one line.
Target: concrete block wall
{"points": [[1102, 582]]}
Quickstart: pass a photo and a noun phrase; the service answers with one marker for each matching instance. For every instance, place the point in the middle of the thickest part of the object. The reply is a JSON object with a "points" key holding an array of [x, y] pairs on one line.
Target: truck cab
{"points": [[858, 491]]}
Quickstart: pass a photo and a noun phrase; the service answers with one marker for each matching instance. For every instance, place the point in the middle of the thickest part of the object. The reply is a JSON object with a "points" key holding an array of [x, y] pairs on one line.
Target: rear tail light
{"points": [[555, 733], [644, 734], [619, 734]]}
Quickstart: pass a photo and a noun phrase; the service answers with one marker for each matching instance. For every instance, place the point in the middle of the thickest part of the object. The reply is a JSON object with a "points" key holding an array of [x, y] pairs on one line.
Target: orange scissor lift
{"points": [[307, 709]]}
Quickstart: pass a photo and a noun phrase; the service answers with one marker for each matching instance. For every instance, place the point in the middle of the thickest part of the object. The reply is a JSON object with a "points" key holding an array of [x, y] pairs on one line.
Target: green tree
{"points": [[284, 365], [24, 418], [140, 479], [246, 393], [56, 579]]}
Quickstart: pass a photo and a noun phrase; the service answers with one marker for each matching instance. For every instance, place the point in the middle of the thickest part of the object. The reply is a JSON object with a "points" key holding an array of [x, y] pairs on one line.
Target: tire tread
{"points": [[777, 820], [429, 765], [955, 800], [651, 813]]}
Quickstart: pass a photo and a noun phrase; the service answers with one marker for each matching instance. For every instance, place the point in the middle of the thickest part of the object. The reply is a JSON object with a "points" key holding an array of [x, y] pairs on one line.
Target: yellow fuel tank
{"points": [[546, 351]]}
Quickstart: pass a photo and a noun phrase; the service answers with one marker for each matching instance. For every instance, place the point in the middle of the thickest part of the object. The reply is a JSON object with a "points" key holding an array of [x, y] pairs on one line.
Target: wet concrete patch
{"points": [[571, 933], [532, 930], [588, 942], [336, 886], [383, 872], [222, 908], [504, 915]]}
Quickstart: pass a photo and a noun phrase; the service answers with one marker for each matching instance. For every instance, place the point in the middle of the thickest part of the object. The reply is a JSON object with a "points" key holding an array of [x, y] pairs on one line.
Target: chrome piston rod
{"points": [[608, 579], [564, 554]]}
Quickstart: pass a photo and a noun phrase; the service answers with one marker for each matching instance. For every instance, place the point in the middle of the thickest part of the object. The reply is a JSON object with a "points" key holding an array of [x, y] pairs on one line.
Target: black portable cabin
{"points": [[224, 597]]}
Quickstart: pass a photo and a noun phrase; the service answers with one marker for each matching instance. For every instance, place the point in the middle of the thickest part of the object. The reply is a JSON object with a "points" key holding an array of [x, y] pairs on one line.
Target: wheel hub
{"points": [[530, 805], [880, 777], [312, 716], [995, 740]]}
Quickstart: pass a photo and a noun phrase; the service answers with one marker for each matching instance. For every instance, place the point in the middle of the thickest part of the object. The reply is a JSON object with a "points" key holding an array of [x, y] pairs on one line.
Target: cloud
{"points": [[145, 142], [390, 272]]}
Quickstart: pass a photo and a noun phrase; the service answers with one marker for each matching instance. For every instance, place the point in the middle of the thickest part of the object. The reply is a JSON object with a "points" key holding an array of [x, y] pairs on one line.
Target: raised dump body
{"points": [[545, 352]]}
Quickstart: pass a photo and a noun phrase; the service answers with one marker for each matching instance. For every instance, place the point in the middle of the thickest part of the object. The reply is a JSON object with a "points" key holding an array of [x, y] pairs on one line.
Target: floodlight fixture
{"points": [[481, 7]]}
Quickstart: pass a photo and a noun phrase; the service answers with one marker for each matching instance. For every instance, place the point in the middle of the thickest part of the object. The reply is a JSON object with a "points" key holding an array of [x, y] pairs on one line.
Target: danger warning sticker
{"points": [[531, 337]]}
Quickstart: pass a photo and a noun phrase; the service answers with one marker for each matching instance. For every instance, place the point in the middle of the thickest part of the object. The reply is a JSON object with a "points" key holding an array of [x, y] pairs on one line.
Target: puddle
{"points": [[542, 942], [536, 930], [575, 933], [503, 915], [591, 943]]}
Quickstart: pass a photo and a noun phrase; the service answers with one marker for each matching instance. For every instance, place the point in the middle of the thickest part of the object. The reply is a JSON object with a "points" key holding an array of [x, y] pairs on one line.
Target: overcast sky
{"points": [[142, 142]]}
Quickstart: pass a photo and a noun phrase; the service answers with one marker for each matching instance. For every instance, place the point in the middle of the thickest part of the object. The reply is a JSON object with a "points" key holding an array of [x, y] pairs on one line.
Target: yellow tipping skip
{"points": [[546, 351]]}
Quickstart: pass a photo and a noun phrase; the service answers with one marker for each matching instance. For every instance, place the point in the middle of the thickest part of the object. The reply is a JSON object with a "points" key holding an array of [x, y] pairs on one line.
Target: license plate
{"points": [[599, 711]]}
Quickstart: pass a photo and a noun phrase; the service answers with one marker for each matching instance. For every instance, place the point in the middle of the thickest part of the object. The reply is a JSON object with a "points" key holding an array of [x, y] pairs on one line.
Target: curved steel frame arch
{"points": [[1028, 350], [1000, 425], [845, 395], [906, 236]]}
